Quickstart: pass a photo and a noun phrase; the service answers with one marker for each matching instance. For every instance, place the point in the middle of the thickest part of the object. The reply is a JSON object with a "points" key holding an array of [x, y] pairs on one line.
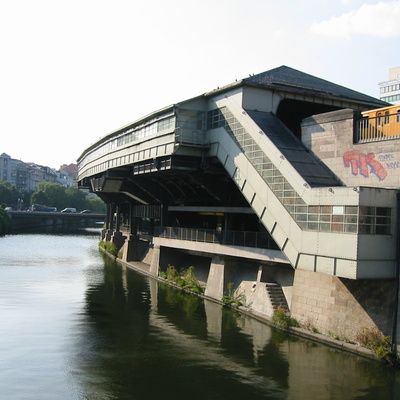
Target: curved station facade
{"points": [[279, 183]]}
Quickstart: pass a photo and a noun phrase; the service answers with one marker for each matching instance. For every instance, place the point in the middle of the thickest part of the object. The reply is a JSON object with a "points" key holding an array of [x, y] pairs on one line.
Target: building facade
{"points": [[26, 176], [390, 90], [16, 172], [67, 175], [267, 184]]}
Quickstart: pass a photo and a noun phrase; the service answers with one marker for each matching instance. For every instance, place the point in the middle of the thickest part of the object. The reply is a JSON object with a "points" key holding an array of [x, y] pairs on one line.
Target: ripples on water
{"points": [[75, 325]]}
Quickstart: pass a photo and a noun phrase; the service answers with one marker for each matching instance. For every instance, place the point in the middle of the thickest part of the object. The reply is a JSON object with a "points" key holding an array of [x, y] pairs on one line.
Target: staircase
{"points": [[290, 190], [276, 296]]}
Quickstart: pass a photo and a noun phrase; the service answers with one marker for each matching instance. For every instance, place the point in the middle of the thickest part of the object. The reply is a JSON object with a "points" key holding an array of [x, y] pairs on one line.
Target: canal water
{"points": [[76, 325]]}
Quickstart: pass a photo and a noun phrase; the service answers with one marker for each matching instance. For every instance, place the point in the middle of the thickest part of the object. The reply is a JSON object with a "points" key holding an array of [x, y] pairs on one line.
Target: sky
{"points": [[74, 71]]}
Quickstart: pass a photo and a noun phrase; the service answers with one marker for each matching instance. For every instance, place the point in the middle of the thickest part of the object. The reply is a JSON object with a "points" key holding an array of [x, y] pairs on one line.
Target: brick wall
{"points": [[330, 137], [342, 306]]}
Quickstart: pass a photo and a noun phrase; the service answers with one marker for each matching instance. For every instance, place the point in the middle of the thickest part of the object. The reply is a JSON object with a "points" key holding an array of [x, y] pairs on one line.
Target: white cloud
{"points": [[380, 20]]}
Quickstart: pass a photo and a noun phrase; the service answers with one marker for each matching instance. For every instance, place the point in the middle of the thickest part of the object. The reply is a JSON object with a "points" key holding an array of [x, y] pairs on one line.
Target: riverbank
{"points": [[144, 268]]}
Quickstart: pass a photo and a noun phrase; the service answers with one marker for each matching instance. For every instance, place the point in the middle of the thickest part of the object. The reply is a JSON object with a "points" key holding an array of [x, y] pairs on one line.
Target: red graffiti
{"points": [[361, 163]]}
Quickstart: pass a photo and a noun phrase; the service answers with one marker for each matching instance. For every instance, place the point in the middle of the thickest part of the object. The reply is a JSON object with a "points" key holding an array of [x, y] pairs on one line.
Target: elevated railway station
{"points": [[266, 181]]}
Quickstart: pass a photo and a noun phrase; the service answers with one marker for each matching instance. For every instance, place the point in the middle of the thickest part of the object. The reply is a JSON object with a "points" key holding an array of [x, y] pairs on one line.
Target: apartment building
{"points": [[390, 90]]}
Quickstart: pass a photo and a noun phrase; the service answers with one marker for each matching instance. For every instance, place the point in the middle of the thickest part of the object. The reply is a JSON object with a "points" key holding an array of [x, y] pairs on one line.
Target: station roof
{"points": [[282, 78], [288, 79]]}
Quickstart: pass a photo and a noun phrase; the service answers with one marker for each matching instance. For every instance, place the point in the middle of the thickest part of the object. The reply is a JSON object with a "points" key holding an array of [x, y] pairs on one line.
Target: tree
{"points": [[40, 198], [95, 204], [76, 198], [8, 194], [55, 193]]}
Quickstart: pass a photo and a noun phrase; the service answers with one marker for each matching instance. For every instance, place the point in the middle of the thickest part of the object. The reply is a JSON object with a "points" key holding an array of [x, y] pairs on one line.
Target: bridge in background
{"points": [[27, 221]]}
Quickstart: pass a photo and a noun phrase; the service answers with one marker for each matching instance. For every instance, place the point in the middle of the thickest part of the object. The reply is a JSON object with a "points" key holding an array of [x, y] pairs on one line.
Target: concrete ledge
{"points": [[315, 337], [224, 250]]}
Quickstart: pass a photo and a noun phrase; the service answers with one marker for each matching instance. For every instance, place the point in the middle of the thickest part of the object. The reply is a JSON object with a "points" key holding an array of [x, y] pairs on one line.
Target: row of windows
{"points": [[132, 135], [349, 219], [346, 219], [391, 99], [146, 131], [390, 88], [134, 157]]}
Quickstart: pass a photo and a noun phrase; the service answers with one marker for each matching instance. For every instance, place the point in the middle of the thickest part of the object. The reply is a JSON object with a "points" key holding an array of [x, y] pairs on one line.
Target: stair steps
{"points": [[276, 296]]}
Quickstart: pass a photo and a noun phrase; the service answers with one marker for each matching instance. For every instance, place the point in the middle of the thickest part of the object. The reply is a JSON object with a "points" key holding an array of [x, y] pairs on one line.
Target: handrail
{"points": [[383, 127], [225, 237]]}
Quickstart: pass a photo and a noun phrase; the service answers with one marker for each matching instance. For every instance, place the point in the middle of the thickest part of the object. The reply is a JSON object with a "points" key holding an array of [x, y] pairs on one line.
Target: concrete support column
{"points": [[155, 260], [118, 239], [108, 235], [259, 273], [131, 248], [216, 281], [133, 221]]}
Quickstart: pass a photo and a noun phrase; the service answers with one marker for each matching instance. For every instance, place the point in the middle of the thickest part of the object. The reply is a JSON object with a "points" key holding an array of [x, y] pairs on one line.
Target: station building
{"points": [[282, 183]]}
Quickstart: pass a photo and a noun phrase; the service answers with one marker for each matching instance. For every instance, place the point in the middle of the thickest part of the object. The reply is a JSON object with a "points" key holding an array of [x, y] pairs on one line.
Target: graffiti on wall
{"points": [[364, 164], [389, 160]]}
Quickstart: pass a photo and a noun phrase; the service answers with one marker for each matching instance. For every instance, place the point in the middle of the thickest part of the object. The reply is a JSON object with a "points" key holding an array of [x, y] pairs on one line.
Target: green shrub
{"points": [[232, 298], [109, 248], [172, 273], [374, 340], [191, 282], [186, 280], [283, 319]]}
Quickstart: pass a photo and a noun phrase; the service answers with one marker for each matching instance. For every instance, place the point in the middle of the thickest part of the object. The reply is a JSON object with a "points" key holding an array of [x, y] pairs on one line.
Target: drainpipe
{"points": [[397, 277]]}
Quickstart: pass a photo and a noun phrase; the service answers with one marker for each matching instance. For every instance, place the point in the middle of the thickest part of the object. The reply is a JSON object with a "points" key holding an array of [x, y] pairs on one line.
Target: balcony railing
{"points": [[384, 127], [232, 238]]}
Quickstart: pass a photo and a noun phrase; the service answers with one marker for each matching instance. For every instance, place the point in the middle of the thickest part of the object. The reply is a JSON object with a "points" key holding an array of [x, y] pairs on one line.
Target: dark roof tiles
{"points": [[289, 79]]}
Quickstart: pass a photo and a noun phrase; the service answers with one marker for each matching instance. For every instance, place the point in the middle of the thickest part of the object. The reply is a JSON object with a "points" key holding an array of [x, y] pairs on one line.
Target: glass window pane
{"points": [[351, 219], [365, 229], [351, 210], [337, 227], [351, 228], [337, 218], [313, 226]]}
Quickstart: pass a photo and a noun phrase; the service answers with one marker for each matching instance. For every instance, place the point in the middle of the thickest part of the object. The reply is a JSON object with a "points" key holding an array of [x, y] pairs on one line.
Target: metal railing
{"points": [[384, 127], [233, 238]]}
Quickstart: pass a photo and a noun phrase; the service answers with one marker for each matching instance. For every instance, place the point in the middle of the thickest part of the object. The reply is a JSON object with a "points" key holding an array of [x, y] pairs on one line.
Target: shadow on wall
{"points": [[375, 297]]}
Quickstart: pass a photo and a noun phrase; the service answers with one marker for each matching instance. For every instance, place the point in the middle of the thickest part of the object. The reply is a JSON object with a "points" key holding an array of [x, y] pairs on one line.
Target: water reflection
{"points": [[139, 339], [75, 325]]}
